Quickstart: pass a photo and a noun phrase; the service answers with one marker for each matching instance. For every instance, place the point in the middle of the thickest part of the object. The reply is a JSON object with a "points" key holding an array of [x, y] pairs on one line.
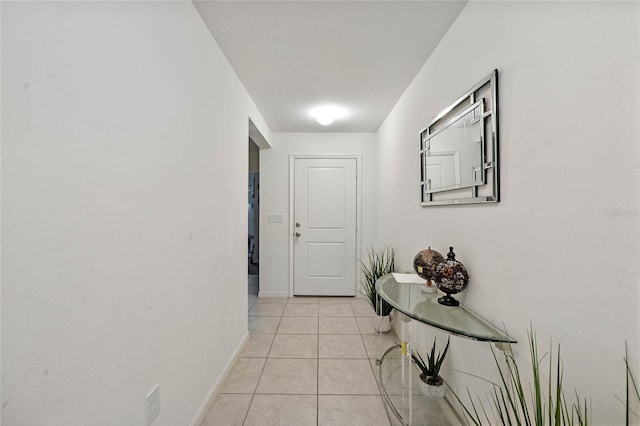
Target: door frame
{"points": [[292, 163]]}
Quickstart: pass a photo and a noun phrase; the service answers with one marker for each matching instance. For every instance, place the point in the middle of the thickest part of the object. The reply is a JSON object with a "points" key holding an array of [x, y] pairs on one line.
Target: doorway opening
{"points": [[253, 246], [256, 143]]}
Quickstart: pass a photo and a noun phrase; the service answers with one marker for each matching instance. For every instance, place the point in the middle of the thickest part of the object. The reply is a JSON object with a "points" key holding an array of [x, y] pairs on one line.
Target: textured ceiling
{"points": [[295, 55]]}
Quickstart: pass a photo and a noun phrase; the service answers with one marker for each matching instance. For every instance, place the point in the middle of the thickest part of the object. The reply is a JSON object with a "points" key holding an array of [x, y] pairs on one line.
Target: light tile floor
{"points": [[308, 361]]}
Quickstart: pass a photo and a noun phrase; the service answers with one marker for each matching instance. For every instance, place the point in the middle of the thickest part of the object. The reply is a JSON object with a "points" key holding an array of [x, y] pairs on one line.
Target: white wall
{"points": [[124, 211], [274, 196], [560, 251], [254, 157]]}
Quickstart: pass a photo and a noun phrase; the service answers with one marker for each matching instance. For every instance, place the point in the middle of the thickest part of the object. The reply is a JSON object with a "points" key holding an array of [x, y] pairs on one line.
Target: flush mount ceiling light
{"points": [[327, 114]]}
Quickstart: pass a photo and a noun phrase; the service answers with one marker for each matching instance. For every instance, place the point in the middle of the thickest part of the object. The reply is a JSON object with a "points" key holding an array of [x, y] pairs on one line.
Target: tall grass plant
{"points": [[542, 404], [378, 264]]}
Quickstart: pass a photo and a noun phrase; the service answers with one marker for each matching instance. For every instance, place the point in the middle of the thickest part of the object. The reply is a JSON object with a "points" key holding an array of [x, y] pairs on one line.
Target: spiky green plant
{"points": [[632, 392], [509, 404], [378, 263], [431, 369]]}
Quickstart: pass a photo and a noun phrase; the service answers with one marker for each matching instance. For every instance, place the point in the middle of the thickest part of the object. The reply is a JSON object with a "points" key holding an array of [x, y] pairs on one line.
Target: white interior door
{"points": [[325, 206]]}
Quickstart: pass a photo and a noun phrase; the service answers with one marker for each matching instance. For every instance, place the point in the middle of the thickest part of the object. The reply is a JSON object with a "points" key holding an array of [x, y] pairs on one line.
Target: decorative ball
{"points": [[425, 263], [451, 277]]}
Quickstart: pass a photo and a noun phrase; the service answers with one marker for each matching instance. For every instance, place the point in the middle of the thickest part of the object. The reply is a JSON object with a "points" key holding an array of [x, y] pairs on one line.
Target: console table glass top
{"points": [[424, 307]]}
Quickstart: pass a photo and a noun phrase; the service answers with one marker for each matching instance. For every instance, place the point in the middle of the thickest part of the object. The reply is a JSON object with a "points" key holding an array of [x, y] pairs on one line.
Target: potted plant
{"points": [[546, 404], [431, 384], [510, 404], [379, 263]]}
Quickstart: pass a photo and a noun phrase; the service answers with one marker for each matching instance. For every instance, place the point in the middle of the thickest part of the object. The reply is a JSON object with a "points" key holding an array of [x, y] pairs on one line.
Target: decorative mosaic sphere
{"points": [[451, 277], [425, 263]]}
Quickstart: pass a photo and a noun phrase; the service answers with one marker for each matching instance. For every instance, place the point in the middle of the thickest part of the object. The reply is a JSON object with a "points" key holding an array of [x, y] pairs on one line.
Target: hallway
{"points": [[308, 361]]}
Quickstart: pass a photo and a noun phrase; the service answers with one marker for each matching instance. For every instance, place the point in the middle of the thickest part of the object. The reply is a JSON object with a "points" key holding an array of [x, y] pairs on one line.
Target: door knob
{"points": [[297, 225], [297, 234]]}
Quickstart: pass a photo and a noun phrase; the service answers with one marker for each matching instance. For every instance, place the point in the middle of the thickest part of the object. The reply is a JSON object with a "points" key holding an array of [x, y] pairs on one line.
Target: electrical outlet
{"points": [[152, 405]]}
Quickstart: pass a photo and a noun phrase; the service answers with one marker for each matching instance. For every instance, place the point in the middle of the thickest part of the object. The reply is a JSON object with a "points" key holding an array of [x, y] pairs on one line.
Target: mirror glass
{"points": [[459, 150], [454, 155]]}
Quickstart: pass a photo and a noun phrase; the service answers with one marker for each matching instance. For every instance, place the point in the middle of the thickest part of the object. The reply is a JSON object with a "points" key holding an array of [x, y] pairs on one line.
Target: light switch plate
{"points": [[275, 218]]}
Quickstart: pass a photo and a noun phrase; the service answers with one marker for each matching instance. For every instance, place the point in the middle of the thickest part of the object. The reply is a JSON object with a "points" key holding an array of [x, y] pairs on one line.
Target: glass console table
{"points": [[424, 307], [397, 372]]}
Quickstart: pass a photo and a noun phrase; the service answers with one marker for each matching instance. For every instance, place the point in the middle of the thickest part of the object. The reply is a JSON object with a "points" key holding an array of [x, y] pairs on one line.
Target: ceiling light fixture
{"points": [[327, 114]]}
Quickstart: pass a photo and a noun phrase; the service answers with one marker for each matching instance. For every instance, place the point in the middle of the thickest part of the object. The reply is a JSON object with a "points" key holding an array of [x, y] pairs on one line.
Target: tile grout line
{"points": [[305, 394], [380, 392], [253, 395], [334, 333], [318, 372]]}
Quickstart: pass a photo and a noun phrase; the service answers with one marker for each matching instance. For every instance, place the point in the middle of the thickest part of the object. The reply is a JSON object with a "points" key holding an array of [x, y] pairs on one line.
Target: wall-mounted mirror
{"points": [[459, 149]]}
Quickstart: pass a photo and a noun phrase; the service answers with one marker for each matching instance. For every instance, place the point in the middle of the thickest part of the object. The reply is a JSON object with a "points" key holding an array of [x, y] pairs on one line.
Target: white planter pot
{"points": [[431, 391], [383, 324]]}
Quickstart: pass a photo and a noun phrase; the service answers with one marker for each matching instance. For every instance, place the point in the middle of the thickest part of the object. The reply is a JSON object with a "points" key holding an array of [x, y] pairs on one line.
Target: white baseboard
{"points": [[206, 404], [273, 294]]}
